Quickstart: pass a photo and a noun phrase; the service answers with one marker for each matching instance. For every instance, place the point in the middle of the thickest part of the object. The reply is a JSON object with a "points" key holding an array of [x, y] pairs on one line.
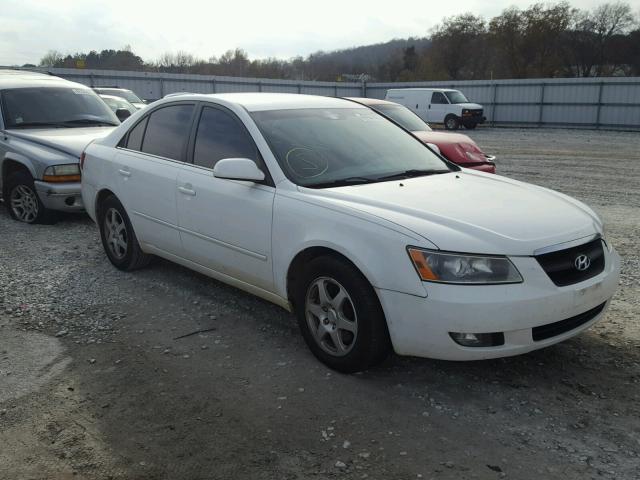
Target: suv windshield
{"points": [[403, 116], [456, 97], [128, 95], [327, 147], [51, 106]]}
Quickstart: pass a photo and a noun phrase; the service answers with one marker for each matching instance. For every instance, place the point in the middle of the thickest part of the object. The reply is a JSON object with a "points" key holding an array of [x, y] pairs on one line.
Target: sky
{"points": [[264, 28]]}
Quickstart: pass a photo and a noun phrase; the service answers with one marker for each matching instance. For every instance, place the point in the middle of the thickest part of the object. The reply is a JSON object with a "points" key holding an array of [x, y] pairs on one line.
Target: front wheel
{"points": [[451, 122], [23, 202], [340, 316], [118, 238]]}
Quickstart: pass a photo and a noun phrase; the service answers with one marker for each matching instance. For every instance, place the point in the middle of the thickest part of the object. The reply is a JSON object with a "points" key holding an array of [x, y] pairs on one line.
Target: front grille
{"points": [[557, 328], [561, 265]]}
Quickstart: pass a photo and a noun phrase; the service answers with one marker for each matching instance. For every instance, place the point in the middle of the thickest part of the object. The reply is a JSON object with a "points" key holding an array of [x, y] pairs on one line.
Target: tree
{"points": [[458, 46], [52, 59]]}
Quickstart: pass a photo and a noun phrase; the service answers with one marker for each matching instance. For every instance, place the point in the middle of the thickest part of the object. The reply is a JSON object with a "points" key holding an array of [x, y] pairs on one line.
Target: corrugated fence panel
{"points": [[588, 102]]}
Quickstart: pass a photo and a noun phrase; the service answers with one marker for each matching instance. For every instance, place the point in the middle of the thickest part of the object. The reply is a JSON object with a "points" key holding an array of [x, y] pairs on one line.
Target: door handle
{"points": [[187, 191], [124, 173]]}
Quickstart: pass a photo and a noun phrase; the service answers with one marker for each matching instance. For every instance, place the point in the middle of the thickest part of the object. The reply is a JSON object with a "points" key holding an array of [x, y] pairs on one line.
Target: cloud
{"points": [[281, 28]]}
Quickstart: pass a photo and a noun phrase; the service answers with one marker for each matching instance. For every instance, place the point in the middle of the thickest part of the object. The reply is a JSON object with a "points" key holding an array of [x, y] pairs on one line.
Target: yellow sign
{"points": [[80, 64]]}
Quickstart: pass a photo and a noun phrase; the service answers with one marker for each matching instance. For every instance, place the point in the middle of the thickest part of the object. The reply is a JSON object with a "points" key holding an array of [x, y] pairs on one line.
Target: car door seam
{"points": [[230, 246]]}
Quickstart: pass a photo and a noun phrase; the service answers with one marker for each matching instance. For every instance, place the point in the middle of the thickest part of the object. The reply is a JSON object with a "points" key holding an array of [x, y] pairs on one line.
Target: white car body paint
{"points": [[247, 234]]}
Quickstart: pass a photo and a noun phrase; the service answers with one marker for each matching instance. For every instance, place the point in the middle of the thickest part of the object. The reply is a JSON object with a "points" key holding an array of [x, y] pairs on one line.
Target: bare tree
{"points": [[52, 59]]}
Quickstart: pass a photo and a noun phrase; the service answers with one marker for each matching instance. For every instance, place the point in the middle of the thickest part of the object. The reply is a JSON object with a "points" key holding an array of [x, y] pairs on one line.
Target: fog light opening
{"points": [[478, 339]]}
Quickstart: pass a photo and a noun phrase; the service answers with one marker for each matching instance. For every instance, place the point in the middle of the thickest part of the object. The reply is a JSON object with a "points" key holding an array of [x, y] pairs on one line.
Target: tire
{"points": [[348, 335], [470, 125], [118, 238], [22, 200], [451, 122]]}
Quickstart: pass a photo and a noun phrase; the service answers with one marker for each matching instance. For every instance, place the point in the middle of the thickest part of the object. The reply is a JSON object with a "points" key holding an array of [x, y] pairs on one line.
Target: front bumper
{"points": [[65, 197], [421, 326]]}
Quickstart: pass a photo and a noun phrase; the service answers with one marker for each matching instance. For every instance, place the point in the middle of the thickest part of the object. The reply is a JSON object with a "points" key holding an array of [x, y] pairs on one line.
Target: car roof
{"points": [[370, 101], [418, 89], [258, 101], [25, 78], [99, 87], [111, 97]]}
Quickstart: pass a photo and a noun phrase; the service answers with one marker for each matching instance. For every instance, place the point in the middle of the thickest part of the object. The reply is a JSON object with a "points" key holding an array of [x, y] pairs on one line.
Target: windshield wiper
{"points": [[38, 124], [89, 121], [342, 182], [412, 173]]}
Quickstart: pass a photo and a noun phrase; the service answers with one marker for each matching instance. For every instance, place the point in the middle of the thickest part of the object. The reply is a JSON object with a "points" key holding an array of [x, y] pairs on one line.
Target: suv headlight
{"points": [[62, 173], [445, 267]]}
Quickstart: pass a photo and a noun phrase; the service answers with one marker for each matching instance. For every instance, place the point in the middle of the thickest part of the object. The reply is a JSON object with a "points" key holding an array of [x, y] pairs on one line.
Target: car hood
{"points": [[72, 141], [457, 147], [472, 212], [470, 106]]}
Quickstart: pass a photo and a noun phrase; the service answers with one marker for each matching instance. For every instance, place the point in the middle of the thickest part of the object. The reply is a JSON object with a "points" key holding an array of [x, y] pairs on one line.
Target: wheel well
{"points": [[102, 196], [11, 166], [296, 268]]}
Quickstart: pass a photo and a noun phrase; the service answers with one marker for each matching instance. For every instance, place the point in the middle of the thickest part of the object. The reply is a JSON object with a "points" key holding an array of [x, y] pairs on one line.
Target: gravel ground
{"points": [[95, 381]]}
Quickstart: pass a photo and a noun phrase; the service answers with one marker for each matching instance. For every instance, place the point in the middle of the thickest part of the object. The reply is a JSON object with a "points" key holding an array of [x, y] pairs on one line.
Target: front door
{"points": [[225, 225], [438, 108]]}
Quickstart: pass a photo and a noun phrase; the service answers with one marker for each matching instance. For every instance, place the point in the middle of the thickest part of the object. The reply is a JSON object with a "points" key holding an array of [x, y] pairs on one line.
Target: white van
{"points": [[439, 105]]}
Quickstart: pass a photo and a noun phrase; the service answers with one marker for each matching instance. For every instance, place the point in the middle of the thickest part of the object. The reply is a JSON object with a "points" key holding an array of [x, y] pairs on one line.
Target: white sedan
{"points": [[326, 208]]}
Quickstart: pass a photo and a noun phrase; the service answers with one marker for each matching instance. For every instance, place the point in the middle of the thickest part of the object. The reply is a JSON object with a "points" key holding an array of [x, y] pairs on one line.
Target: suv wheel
{"points": [[340, 316], [23, 201]]}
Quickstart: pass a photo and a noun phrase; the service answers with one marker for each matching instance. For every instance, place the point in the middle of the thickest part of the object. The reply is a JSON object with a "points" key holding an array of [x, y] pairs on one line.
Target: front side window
{"points": [[323, 147], [220, 136], [54, 107], [167, 131], [438, 98], [403, 117]]}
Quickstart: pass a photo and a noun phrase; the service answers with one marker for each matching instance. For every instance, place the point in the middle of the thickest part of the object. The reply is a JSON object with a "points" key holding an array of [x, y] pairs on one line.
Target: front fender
{"points": [[378, 251], [18, 158]]}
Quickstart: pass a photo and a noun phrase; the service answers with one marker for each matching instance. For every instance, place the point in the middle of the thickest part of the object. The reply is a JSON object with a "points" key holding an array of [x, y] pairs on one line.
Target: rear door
{"points": [[225, 225], [438, 108], [148, 163]]}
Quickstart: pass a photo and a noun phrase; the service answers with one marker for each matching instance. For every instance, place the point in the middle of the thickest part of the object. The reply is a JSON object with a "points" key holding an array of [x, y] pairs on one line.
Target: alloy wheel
{"points": [[24, 203], [115, 232], [331, 316]]}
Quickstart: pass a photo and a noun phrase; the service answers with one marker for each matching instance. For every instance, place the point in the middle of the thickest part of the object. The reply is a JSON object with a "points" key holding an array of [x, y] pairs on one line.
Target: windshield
{"points": [[128, 95], [343, 146], [64, 107], [403, 116], [456, 97]]}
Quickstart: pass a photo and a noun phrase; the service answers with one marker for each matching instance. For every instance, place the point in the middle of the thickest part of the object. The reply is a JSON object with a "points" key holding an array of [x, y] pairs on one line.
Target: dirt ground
{"points": [[96, 383]]}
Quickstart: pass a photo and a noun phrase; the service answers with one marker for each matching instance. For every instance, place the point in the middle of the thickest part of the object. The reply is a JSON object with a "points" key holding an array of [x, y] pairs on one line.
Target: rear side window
{"points": [[438, 98], [135, 135], [219, 136], [167, 131]]}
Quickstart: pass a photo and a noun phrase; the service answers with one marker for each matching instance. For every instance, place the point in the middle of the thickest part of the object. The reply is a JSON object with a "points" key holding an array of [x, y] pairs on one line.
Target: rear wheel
{"points": [[22, 200], [340, 316], [451, 122], [118, 238]]}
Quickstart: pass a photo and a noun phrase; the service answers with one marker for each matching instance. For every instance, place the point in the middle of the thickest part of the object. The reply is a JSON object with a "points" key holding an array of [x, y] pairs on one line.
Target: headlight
{"points": [[62, 173], [433, 266]]}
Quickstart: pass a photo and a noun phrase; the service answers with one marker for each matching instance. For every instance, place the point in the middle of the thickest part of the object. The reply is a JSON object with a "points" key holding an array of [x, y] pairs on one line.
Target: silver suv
{"points": [[45, 124]]}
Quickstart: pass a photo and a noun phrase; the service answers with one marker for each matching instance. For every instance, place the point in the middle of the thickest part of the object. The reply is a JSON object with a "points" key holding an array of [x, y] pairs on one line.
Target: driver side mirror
{"points": [[238, 169], [122, 114]]}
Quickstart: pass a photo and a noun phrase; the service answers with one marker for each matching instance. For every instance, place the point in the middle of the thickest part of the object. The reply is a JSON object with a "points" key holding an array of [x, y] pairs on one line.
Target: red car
{"points": [[456, 147]]}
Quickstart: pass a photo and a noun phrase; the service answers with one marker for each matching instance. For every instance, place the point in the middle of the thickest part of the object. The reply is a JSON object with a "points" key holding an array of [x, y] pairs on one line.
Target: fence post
{"points": [[541, 104], [493, 104], [299, 88], [600, 88], [213, 84], [161, 87], [335, 89], [364, 88], [91, 80], [259, 86]]}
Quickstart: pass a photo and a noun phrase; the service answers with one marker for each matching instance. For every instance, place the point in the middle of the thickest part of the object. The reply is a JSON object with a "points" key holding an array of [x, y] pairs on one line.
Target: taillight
{"points": [[83, 155]]}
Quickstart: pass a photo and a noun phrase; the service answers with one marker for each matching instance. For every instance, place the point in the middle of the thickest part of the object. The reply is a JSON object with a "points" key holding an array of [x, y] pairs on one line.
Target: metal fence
{"points": [[612, 103]]}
